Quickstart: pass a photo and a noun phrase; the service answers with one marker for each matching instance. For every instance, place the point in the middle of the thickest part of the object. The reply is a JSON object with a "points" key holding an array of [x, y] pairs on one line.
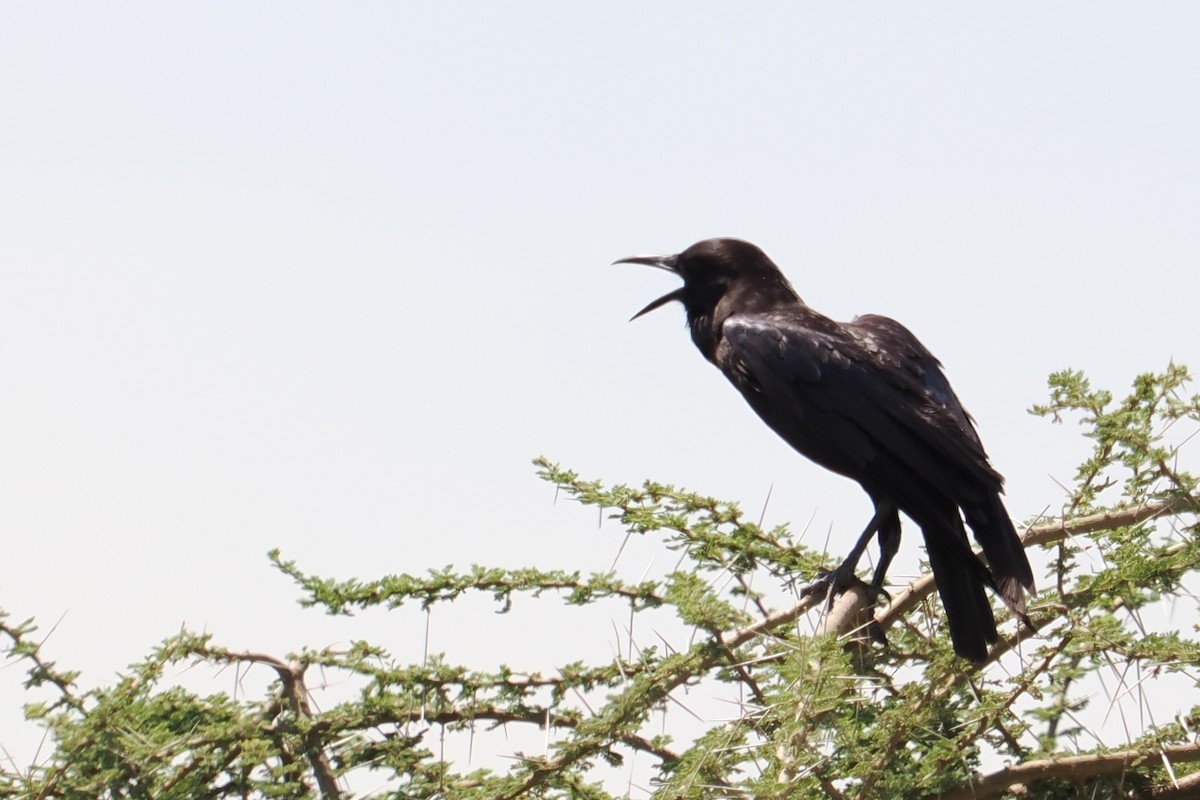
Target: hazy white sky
{"points": [[326, 277]]}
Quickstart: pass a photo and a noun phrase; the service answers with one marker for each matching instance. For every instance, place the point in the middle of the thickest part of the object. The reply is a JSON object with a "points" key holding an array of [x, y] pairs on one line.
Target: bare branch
{"points": [[296, 693], [1185, 788], [849, 613], [1104, 520], [1072, 767]]}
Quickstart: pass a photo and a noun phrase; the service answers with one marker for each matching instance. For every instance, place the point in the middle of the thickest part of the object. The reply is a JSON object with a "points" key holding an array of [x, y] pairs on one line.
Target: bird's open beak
{"points": [[662, 262]]}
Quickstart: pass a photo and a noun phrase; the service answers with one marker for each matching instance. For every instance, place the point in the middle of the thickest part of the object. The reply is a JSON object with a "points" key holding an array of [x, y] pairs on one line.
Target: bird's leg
{"points": [[889, 543], [842, 577]]}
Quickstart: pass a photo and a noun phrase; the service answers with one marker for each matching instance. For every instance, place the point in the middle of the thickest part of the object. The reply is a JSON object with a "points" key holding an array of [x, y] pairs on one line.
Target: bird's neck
{"points": [[757, 297]]}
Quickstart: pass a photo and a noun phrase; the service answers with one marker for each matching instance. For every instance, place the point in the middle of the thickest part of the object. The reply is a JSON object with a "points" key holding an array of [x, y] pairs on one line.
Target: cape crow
{"points": [[868, 401]]}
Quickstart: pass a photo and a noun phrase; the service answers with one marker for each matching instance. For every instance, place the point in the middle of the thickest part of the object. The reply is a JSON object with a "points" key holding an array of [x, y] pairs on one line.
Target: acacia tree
{"points": [[823, 712]]}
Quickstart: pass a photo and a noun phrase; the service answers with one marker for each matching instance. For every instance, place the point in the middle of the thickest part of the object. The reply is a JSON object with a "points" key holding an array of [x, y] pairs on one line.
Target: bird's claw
{"points": [[832, 582], [819, 588]]}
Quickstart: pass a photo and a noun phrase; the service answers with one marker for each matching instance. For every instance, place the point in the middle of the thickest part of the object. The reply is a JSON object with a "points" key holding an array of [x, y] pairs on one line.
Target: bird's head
{"points": [[710, 269]]}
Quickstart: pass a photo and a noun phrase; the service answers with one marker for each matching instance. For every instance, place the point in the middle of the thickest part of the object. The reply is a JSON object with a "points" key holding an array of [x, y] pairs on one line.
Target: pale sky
{"points": [[326, 277]]}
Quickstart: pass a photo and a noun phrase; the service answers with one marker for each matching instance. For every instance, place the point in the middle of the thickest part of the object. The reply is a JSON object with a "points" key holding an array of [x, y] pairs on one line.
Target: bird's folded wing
{"points": [[868, 388]]}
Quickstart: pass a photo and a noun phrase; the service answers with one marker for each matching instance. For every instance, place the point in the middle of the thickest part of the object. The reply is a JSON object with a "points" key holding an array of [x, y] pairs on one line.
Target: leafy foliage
{"points": [[835, 716]]}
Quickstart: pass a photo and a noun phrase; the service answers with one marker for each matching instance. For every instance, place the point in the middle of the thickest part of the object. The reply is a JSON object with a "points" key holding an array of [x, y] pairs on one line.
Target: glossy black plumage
{"points": [[864, 399]]}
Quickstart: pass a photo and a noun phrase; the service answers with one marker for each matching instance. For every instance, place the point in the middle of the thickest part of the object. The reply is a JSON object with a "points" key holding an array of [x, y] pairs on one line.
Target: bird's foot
{"points": [[831, 583]]}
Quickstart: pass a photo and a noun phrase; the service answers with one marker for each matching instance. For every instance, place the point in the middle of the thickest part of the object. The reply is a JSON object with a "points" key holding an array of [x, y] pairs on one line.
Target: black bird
{"points": [[864, 399]]}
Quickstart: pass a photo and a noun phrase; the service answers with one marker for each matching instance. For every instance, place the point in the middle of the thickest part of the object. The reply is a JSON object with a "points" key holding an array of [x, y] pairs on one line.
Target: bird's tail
{"points": [[960, 581], [1004, 552]]}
